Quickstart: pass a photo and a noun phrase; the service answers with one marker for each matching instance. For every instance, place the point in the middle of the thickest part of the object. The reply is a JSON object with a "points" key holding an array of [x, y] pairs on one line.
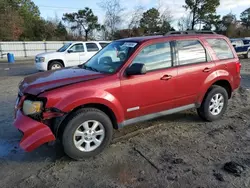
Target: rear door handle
{"points": [[207, 69], [166, 77]]}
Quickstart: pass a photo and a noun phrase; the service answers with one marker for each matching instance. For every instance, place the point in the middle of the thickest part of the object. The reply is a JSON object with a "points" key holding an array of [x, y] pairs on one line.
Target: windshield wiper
{"points": [[90, 68]]}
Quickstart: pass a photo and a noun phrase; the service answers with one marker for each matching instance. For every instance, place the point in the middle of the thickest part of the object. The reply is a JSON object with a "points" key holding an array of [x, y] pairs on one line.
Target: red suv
{"points": [[154, 76]]}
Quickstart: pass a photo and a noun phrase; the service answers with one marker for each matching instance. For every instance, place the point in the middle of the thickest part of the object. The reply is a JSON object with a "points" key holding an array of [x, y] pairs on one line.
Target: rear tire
{"points": [[214, 104], [81, 139], [55, 65]]}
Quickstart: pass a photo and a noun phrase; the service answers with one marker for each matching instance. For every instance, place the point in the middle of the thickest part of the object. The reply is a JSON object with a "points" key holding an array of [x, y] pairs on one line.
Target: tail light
{"points": [[238, 67]]}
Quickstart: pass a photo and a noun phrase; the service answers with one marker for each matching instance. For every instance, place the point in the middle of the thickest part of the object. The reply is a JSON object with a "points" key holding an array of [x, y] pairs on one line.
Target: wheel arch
{"points": [[52, 60], [61, 123], [221, 82], [226, 85]]}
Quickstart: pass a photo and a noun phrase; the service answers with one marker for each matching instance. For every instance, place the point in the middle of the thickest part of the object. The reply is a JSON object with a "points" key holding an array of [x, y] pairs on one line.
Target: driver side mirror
{"points": [[70, 51], [136, 69]]}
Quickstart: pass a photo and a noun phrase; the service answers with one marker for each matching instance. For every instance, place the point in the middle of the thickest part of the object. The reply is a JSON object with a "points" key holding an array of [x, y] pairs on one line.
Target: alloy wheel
{"points": [[89, 136]]}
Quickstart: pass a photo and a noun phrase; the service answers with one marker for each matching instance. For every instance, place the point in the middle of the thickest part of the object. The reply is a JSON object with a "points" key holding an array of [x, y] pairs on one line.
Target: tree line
{"points": [[21, 20], [202, 15]]}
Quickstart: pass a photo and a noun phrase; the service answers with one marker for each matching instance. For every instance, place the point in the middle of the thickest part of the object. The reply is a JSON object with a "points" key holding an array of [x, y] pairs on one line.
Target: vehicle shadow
{"points": [[20, 72], [10, 150]]}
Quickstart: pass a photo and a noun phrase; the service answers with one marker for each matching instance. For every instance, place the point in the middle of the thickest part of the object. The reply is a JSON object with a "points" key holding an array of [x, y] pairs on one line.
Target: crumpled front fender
{"points": [[35, 133]]}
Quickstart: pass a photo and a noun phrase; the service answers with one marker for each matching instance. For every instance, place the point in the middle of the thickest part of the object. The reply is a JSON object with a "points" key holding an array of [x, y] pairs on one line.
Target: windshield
{"points": [[111, 58], [64, 47]]}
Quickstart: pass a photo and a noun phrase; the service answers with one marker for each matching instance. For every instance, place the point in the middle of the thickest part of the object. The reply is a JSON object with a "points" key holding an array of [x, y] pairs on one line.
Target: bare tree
{"points": [[136, 17], [113, 10], [165, 13], [185, 23], [166, 16], [134, 21]]}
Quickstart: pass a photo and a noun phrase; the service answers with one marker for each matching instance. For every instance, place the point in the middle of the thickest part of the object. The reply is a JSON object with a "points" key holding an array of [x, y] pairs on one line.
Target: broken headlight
{"points": [[32, 107]]}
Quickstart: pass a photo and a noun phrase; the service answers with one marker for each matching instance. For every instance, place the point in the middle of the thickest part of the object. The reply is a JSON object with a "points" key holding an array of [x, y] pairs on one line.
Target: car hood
{"points": [[40, 82], [48, 54]]}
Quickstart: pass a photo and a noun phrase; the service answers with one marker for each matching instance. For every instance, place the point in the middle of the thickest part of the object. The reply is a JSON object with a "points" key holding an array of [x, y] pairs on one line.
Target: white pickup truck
{"points": [[70, 54]]}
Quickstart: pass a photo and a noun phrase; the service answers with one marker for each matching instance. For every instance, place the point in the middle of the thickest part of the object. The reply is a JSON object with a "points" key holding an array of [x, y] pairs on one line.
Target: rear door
{"points": [[194, 65]]}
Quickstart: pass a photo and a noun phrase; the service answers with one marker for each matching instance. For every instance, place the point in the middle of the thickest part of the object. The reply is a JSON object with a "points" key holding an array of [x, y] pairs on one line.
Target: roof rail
{"points": [[188, 32]]}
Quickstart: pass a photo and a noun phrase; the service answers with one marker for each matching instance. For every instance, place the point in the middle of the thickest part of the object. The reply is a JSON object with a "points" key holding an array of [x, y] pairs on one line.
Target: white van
{"points": [[71, 54]]}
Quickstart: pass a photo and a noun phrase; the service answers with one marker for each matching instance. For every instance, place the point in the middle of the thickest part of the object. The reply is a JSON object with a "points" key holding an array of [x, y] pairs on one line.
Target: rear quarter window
{"points": [[92, 47], [221, 48]]}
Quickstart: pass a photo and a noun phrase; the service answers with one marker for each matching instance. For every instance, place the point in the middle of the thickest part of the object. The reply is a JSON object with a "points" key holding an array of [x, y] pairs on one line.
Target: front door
{"points": [[154, 91], [72, 56]]}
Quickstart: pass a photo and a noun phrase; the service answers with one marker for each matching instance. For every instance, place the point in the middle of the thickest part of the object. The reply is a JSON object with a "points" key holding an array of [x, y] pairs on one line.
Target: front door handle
{"points": [[166, 77], [207, 69]]}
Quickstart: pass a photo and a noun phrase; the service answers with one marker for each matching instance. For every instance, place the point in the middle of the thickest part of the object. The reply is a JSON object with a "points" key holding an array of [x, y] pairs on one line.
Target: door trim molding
{"points": [[155, 115], [133, 109]]}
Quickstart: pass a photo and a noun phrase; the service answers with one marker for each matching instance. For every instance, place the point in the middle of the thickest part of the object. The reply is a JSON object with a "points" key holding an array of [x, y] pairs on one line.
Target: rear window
{"points": [[221, 48], [190, 51], [92, 47], [103, 44], [246, 41]]}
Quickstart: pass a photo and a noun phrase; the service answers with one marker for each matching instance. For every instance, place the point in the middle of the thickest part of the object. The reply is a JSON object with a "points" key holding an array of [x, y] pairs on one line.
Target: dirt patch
{"points": [[173, 151]]}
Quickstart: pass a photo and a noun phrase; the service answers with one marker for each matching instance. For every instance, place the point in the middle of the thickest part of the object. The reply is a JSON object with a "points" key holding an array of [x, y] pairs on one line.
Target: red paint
{"points": [[35, 133], [40, 82], [153, 92], [148, 92]]}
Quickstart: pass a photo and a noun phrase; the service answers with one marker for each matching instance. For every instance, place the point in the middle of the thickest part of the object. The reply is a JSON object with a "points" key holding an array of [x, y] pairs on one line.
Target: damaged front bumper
{"points": [[35, 133]]}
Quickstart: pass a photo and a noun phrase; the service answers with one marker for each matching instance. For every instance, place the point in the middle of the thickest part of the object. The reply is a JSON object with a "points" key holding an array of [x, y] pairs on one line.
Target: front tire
{"points": [[214, 104], [55, 65], [87, 133]]}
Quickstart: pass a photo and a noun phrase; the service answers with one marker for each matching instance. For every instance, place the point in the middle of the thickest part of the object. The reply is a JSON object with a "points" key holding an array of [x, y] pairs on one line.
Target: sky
{"points": [[50, 9]]}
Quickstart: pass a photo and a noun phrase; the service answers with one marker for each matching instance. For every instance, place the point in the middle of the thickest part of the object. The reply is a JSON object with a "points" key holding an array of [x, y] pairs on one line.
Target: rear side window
{"points": [[103, 44], [92, 47], [155, 56], [190, 51], [221, 48], [239, 43]]}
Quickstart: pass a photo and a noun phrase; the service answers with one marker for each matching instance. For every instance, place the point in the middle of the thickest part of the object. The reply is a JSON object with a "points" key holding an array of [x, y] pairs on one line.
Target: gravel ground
{"points": [[174, 151]]}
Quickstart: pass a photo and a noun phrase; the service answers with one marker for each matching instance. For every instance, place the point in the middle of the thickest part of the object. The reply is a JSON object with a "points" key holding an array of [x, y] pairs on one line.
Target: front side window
{"points": [[155, 56], [237, 43], [77, 48], [240, 43], [190, 51], [111, 58], [221, 48], [92, 47]]}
